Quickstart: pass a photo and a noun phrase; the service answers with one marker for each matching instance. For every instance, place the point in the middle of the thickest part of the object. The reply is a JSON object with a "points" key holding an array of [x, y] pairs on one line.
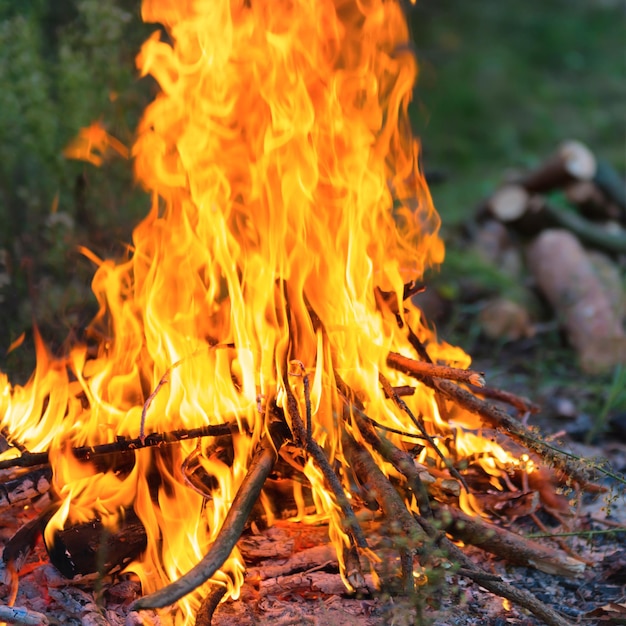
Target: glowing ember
{"points": [[286, 196]]}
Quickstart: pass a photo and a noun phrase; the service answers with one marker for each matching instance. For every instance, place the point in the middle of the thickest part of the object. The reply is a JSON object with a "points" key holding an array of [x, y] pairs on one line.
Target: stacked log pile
{"points": [[567, 216]]}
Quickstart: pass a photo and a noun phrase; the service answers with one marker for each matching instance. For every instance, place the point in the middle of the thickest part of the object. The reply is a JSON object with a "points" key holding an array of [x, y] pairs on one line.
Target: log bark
{"points": [[566, 277], [572, 161], [89, 548], [592, 202], [612, 184]]}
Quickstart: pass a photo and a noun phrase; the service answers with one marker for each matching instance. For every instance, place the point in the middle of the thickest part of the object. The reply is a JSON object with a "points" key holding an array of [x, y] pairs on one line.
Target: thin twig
{"points": [[164, 380], [403, 406], [319, 457], [421, 368], [523, 405], [395, 431]]}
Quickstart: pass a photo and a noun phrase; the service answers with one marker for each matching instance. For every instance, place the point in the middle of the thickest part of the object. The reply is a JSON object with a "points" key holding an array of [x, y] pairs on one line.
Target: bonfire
{"points": [[264, 317]]}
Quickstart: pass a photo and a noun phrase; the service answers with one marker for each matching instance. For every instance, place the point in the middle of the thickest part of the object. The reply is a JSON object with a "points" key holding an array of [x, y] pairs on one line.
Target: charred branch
{"points": [[26, 487], [204, 616], [403, 406], [86, 453], [572, 467], [319, 457], [17, 549], [93, 548]]}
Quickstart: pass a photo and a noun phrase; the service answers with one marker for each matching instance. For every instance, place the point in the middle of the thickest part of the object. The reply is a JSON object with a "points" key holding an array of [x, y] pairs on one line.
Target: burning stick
{"points": [[474, 530], [86, 453], [496, 416], [319, 456], [420, 368], [523, 405], [402, 405], [209, 604], [395, 510], [240, 509]]}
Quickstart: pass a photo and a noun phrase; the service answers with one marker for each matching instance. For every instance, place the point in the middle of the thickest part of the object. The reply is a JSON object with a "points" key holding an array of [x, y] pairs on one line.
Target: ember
{"points": [[264, 323]]}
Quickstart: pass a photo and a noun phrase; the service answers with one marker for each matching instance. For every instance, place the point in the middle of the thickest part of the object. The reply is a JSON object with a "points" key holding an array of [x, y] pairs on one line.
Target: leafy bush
{"points": [[63, 65]]}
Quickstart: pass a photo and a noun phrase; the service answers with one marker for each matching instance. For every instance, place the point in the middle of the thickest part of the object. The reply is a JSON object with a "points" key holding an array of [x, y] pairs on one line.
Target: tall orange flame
{"points": [[286, 191]]}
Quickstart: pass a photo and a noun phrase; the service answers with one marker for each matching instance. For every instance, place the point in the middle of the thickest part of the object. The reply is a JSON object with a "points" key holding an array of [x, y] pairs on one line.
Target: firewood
{"points": [[88, 548], [532, 214], [508, 545], [414, 533], [569, 465], [494, 415], [504, 319], [613, 241], [17, 549], [319, 457], [307, 583], [79, 605], [475, 530], [494, 584], [395, 510], [592, 202], [509, 203], [204, 616], [260, 468], [572, 161], [522, 404], [412, 367], [86, 453], [27, 487], [301, 560], [566, 277]]}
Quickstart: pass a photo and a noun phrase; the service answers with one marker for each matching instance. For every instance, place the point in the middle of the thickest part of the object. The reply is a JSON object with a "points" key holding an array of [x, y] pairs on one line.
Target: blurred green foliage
{"points": [[63, 65]]}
